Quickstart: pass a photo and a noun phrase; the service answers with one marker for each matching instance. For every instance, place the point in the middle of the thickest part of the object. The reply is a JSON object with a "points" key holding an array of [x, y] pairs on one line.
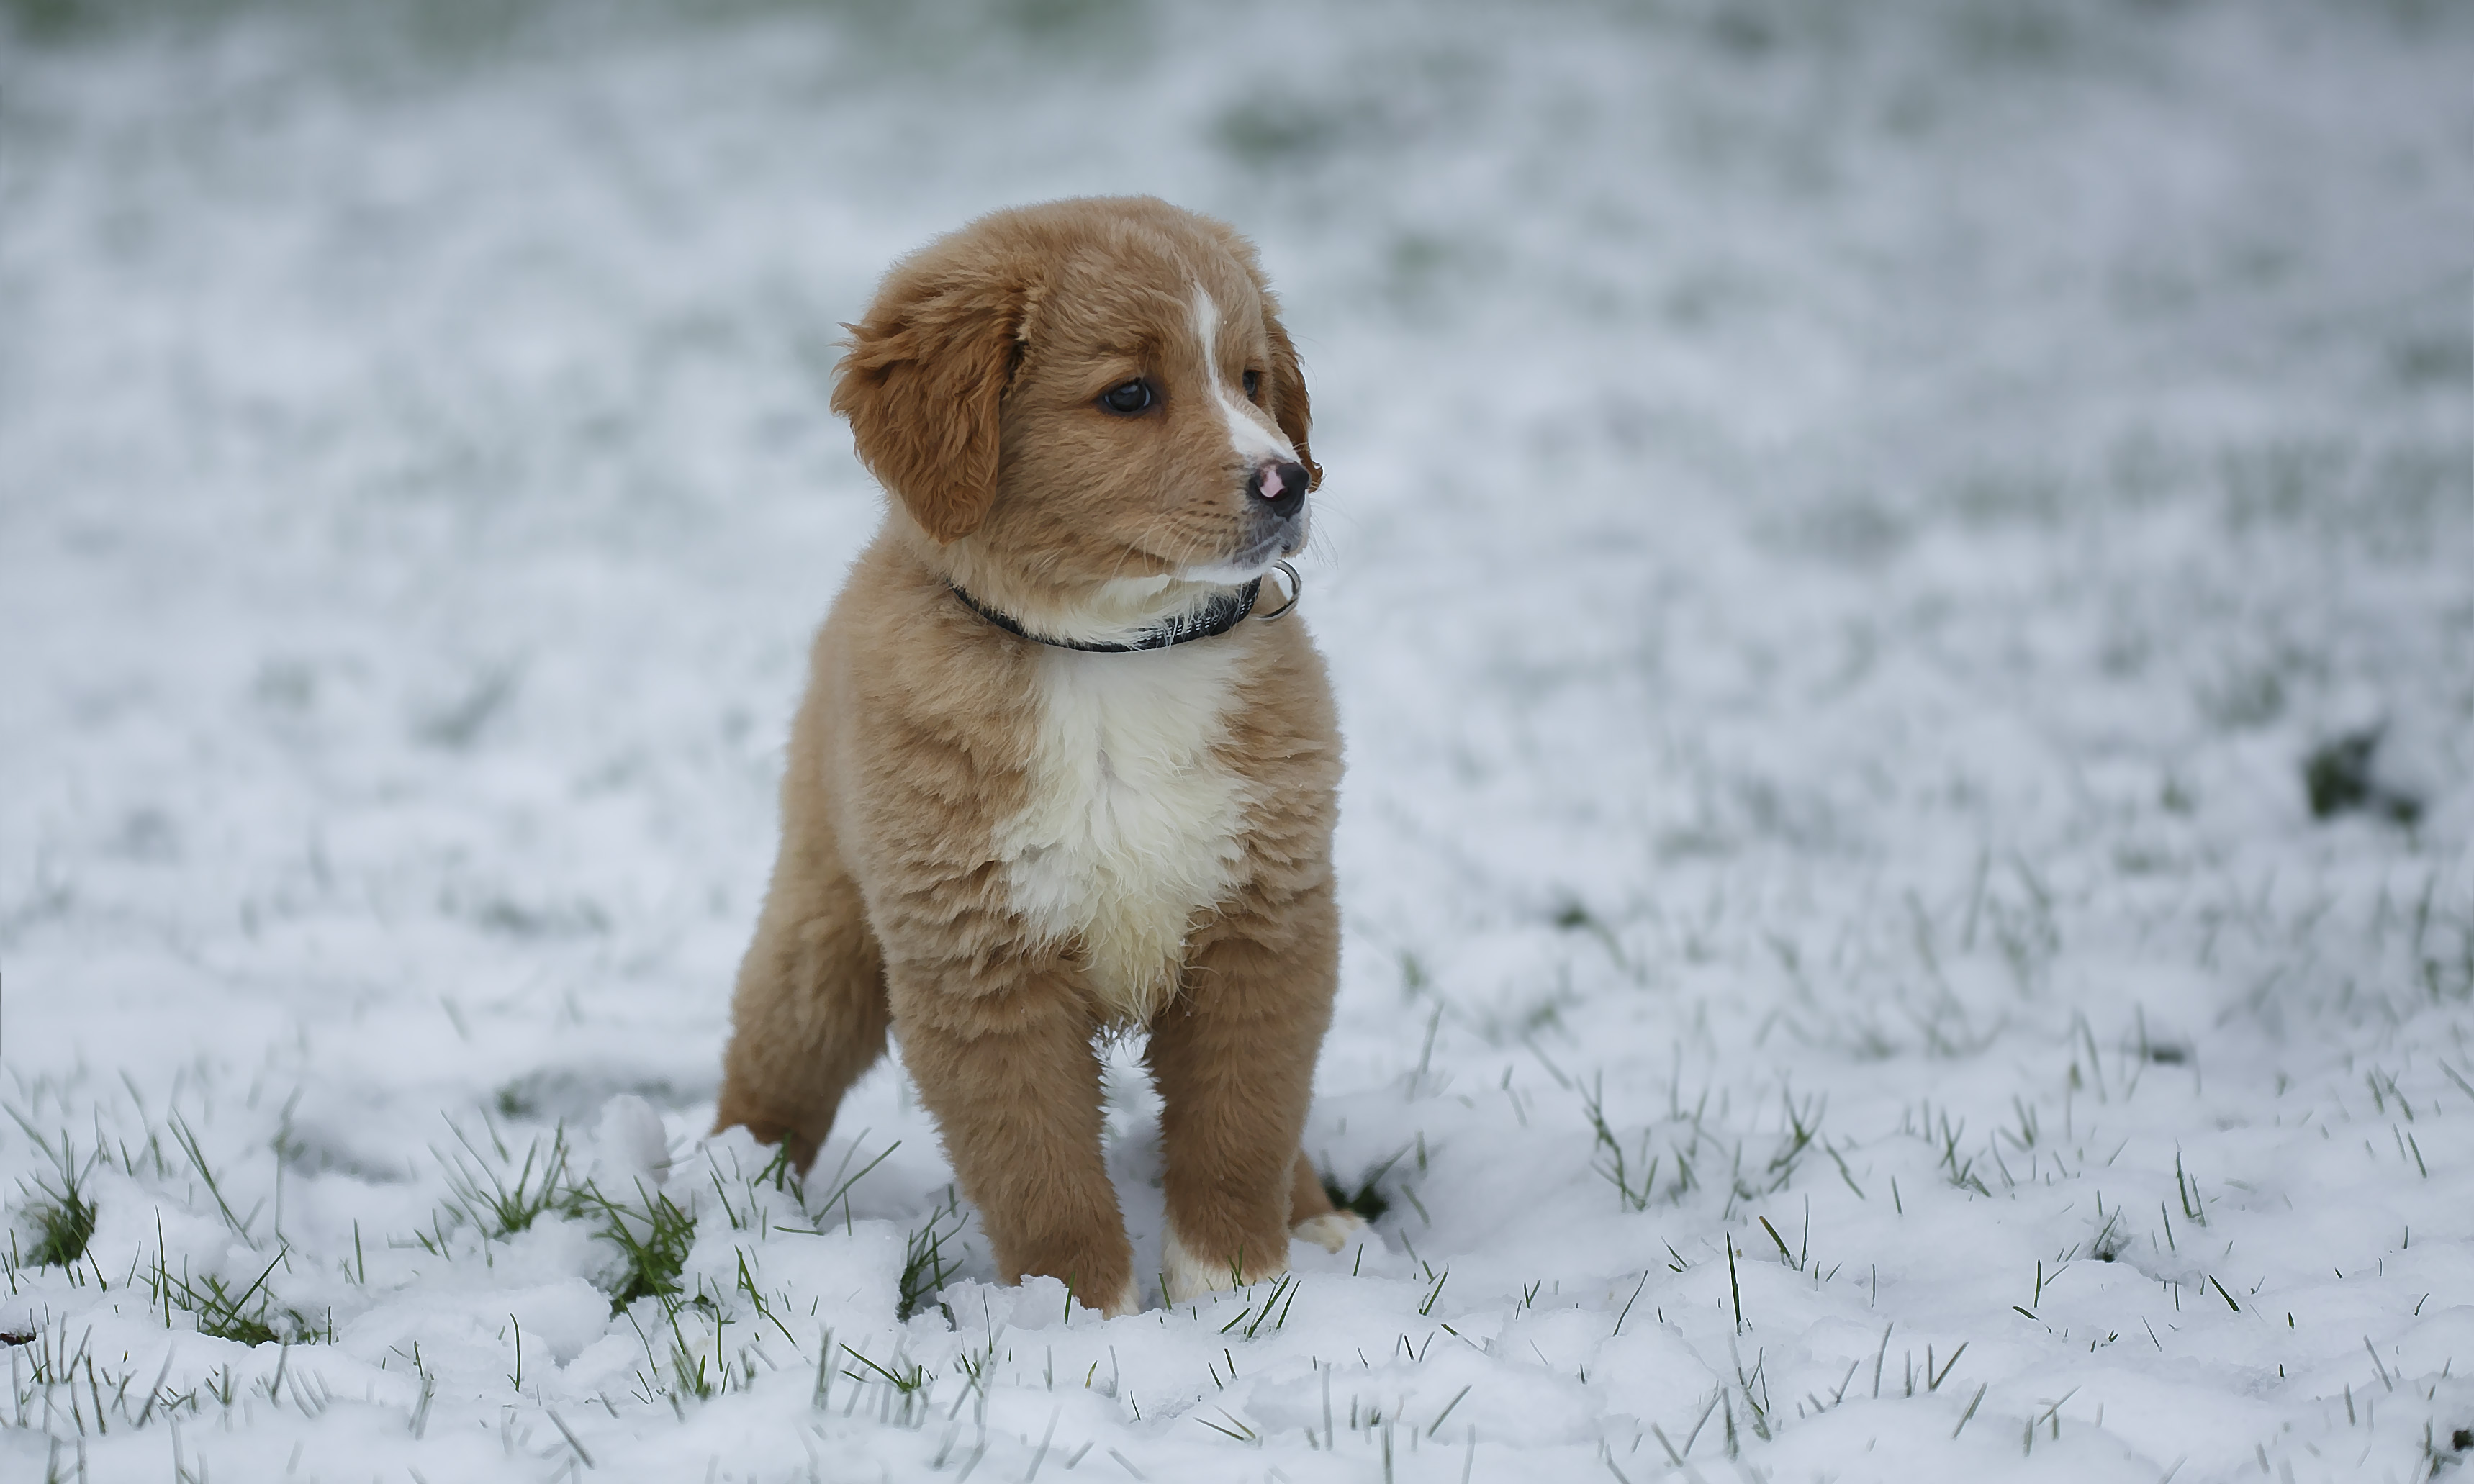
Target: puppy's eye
{"points": [[1254, 383], [1129, 398]]}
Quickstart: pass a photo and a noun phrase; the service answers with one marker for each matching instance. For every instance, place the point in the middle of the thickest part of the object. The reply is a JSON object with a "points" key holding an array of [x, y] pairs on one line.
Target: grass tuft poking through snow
{"points": [[56, 1206], [653, 1235], [500, 1195], [927, 1266], [244, 1313]]}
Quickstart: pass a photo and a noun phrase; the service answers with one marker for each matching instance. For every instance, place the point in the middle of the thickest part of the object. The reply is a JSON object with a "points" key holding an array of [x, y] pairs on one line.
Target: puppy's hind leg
{"points": [[808, 1015]]}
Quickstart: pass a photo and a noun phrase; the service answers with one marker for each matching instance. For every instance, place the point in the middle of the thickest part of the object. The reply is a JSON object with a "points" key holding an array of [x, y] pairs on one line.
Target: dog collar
{"points": [[1213, 619]]}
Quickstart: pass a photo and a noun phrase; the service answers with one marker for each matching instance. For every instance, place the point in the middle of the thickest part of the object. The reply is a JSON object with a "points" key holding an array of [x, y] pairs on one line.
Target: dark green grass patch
{"points": [[2338, 780], [1368, 1199]]}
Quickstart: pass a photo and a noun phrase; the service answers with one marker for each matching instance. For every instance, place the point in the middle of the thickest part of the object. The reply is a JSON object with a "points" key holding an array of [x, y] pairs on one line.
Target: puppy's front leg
{"points": [[1234, 1061], [1008, 1070]]}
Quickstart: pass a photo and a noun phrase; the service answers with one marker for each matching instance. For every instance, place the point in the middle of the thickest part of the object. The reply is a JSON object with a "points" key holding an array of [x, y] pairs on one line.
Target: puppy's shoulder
{"points": [[898, 646], [1284, 717]]}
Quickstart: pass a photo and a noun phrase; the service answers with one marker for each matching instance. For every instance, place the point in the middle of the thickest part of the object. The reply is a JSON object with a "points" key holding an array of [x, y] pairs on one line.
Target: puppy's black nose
{"points": [[1281, 486]]}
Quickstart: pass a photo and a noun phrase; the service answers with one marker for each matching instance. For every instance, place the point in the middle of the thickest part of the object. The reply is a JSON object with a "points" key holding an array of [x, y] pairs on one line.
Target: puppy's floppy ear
{"points": [[1290, 407], [922, 381]]}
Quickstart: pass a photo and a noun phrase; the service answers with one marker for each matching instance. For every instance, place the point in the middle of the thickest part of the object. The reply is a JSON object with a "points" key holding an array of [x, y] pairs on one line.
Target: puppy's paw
{"points": [[1187, 1277], [1332, 1230], [1128, 1300]]}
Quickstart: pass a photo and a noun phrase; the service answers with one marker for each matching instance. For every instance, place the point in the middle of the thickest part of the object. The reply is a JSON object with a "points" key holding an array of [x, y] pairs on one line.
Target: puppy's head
{"points": [[1086, 408]]}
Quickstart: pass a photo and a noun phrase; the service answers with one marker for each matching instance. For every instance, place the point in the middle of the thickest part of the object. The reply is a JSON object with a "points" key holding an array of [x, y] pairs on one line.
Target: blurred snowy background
{"points": [[1901, 581]]}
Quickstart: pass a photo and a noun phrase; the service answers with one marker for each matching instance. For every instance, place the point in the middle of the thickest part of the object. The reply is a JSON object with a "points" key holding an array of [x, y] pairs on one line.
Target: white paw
{"points": [[1128, 1300], [1187, 1277], [1332, 1230]]}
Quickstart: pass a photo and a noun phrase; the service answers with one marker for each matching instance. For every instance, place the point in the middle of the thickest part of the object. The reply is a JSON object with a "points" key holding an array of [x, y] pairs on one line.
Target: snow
{"points": [[1842, 534]]}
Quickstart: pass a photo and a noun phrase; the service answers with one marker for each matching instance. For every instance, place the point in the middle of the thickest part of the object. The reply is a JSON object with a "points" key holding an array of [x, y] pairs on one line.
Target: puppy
{"points": [[1051, 779]]}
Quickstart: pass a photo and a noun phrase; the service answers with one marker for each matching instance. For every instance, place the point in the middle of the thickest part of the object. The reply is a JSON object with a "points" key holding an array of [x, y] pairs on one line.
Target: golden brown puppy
{"points": [[1050, 779]]}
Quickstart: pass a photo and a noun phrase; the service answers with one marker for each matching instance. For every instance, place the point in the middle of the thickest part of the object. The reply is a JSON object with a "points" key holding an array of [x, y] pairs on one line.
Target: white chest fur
{"points": [[1133, 821]]}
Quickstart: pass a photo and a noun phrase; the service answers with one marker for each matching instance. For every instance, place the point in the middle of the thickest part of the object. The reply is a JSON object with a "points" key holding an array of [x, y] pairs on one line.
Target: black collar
{"points": [[1223, 613]]}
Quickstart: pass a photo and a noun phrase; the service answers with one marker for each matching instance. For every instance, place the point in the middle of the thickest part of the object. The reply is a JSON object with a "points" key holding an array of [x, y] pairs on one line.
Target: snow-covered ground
{"points": [[1845, 527]]}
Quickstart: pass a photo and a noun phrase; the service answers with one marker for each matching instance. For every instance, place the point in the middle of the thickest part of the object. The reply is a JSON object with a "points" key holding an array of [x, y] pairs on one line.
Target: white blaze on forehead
{"points": [[1250, 430]]}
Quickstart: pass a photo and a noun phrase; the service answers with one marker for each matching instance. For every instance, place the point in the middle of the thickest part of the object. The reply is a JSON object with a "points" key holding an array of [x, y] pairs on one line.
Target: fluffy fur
{"points": [[1001, 849]]}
